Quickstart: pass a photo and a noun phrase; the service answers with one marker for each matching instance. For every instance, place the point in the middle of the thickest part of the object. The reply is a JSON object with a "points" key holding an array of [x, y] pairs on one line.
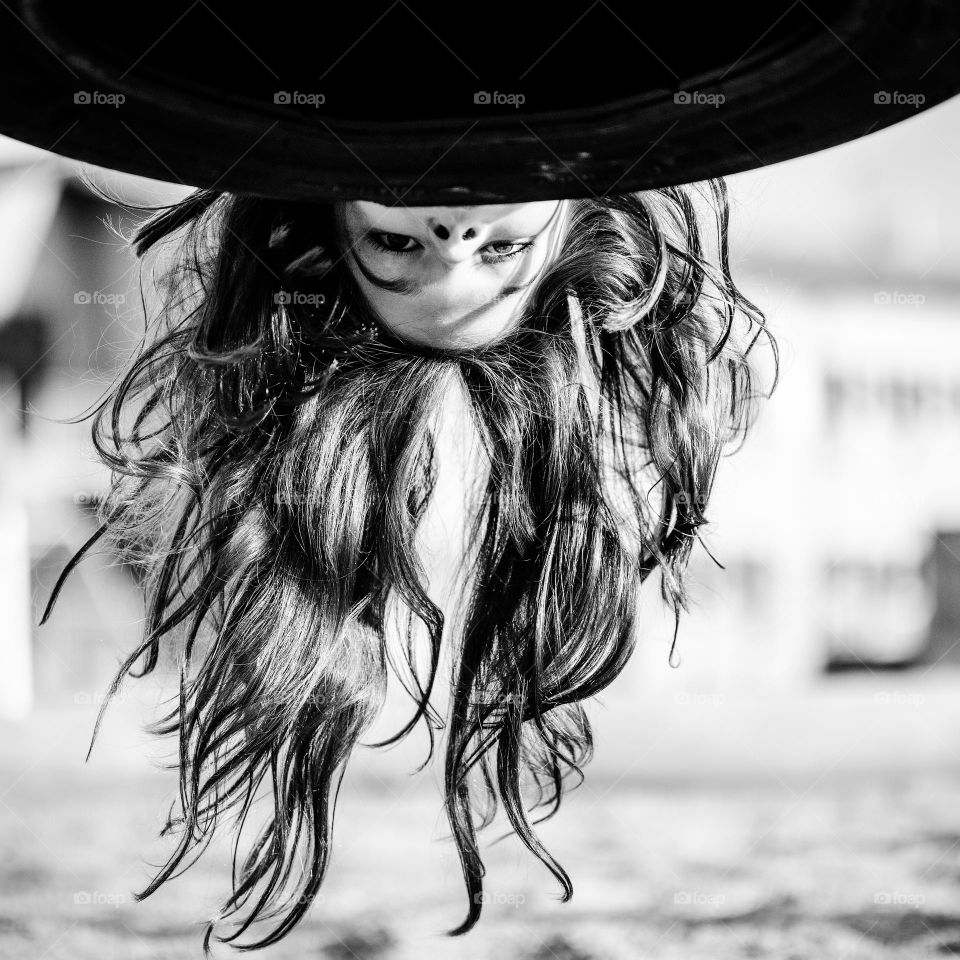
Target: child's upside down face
{"points": [[450, 276]]}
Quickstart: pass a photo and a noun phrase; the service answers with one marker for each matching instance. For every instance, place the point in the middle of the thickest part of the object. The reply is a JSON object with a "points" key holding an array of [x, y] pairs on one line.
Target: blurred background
{"points": [[789, 790]]}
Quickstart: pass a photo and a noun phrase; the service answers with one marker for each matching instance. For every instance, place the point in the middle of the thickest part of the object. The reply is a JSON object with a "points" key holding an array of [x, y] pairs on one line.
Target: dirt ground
{"points": [[850, 867]]}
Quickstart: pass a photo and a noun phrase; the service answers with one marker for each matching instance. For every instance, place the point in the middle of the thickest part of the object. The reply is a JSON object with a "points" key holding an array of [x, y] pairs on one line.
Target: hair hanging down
{"points": [[270, 463]]}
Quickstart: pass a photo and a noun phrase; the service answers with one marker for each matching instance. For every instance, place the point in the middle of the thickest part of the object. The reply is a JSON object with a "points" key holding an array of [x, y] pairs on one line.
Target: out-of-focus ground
{"points": [[780, 846]]}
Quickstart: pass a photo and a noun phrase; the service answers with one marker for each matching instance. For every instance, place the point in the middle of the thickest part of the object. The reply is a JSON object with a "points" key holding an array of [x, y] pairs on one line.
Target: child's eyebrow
{"points": [[400, 285]]}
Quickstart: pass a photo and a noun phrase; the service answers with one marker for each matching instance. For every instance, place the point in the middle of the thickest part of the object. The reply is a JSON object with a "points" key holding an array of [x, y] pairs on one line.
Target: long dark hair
{"points": [[270, 463]]}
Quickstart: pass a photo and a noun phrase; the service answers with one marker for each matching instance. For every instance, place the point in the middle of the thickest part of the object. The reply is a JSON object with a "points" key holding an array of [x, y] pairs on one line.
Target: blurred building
{"points": [[67, 319], [838, 523]]}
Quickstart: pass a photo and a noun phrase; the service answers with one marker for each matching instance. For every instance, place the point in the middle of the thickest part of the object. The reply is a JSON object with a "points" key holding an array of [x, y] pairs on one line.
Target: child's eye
{"points": [[393, 242], [400, 243], [505, 249]]}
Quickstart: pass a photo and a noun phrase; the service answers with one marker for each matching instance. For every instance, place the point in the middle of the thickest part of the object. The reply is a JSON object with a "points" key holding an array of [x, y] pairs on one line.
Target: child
{"points": [[353, 428]]}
